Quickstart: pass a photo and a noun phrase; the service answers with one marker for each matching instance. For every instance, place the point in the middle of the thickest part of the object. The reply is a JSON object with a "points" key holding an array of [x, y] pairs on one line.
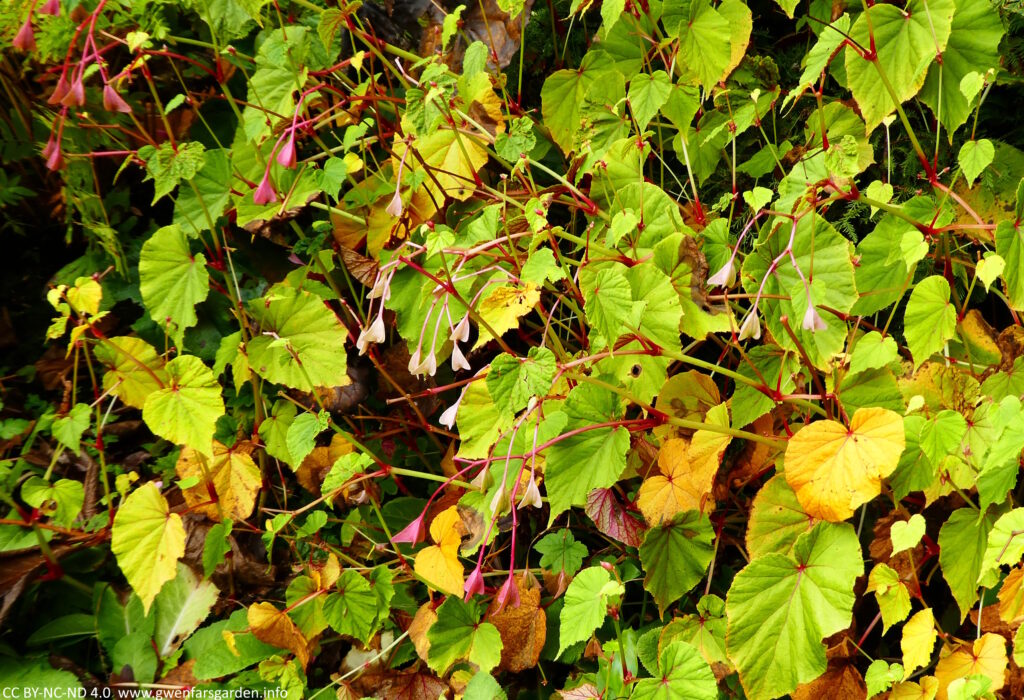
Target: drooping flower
{"points": [[50, 7], [60, 90], [482, 480], [25, 39], [53, 155], [474, 583], [286, 156], [374, 333], [447, 418], [812, 320], [531, 495], [265, 193], [381, 287], [113, 102], [414, 361], [751, 326], [461, 331], [394, 207], [411, 533], [75, 96], [725, 277], [458, 359], [509, 593]]}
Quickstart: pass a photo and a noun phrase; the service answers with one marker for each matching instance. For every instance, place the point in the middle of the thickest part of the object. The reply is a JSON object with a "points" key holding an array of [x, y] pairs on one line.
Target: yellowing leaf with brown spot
{"points": [[503, 307], [231, 474], [273, 626], [918, 641], [452, 159], [1011, 597], [924, 689], [834, 469], [985, 656], [421, 623], [439, 563]]}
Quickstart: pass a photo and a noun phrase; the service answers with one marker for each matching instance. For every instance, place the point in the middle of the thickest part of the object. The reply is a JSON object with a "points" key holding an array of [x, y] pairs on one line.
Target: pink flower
{"points": [[751, 326], [265, 193], [474, 584], [51, 7], [54, 159], [812, 321], [394, 208], [25, 39], [411, 533], [75, 96], [60, 90], [286, 156], [113, 102], [725, 277], [509, 593]]}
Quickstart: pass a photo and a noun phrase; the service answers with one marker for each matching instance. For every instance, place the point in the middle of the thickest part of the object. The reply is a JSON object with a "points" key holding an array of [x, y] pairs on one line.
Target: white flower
{"points": [[812, 321], [381, 287], [414, 362], [725, 277], [394, 208], [374, 333], [751, 326], [458, 359], [461, 331], [500, 501], [531, 496], [482, 480], [447, 418]]}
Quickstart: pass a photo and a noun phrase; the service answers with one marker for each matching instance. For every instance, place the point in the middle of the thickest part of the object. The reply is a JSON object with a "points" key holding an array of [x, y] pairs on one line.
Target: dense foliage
{"points": [[593, 349]]}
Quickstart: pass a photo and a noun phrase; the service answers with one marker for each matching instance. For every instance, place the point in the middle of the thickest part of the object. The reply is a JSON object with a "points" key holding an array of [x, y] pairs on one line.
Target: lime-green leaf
{"points": [[586, 604], [216, 546], [353, 609], [675, 556], [930, 319], [458, 635], [704, 46], [62, 500], [482, 686], [301, 437], [563, 94], [873, 352], [905, 534], [560, 552], [682, 675], [905, 43], [776, 520], [974, 157], [1010, 245], [147, 539], [881, 675], [199, 205], [609, 305], [1005, 543], [647, 93], [185, 411], [513, 381], [962, 542], [781, 607], [68, 429], [274, 432], [170, 163], [134, 370], [181, 606], [301, 343], [172, 280]]}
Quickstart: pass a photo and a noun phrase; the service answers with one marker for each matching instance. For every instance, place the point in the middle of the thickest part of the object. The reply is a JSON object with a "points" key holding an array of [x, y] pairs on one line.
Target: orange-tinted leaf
{"points": [[985, 656], [523, 629], [231, 474], [273, 626]]}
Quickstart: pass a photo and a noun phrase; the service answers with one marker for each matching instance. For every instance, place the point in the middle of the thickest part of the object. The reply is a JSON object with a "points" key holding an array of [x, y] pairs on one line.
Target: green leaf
{"points": [[586, 604], [675, 556], [185, 411], [941, 435], [780, 607], [704, 46], [776, 520], [134, 369], [1010, 245], [930, 319], [482, 686], [450, 25], [974, 157], [682, 675], [300, 343], [147, 539], [353, 609], [881, 675], [973, 46], [216, 546], [37, 674], [588, 460], [172, 281], [647, 93], [905, 534], [199, 205], [170, 163], [458, 635], [989, 268], [608, 304], [301, 437], [215, 659], [280, 71], [273, 432], [181, 606], [563, 94], [561, 553], [906, 43], [63, 628], [68, 429], [881, 276], [611, 10], [873, 352], [480, 421], [892, 595], [62, 500], [512, 381], [962, 542], [343, 469], [1005, 543]]}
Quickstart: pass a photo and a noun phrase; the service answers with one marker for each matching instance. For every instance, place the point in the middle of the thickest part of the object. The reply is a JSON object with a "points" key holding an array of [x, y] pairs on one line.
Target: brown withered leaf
{"points": [[523, 629], [273, 626], [842, 681], [359, 266], [414, 685], [1011, 344], [751, 462], [425, 618], [991, 621], [318, 463], [181, 676]]}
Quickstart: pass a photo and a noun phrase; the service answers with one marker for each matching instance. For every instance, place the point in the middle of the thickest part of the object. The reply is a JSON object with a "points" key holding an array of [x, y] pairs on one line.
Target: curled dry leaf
{"points": [[273, 626], [523, 629]]}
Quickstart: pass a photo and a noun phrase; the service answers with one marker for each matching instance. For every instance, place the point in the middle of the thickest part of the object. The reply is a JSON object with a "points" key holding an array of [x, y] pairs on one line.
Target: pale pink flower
{"points": [[265, 193], [447, 418], [725, 277], [50, 7], [458, 359], [394, 207], [75, 96], [113, 102], [812, 320], [374, 333], [531, 495], [509, 593], [461, 331], [25, 39], [751, 326], [60, 90], [286, 156]]}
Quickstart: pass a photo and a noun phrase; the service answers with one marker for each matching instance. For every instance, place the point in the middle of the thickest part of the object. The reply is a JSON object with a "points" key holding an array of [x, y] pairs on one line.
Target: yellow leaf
{"points": [[231, 474], [918, 641], [925, 689], [1011, 597], [421, 623], [439, 563], [452, 158], [273, 626], [834, 469], [134, 370], [985, 656], [85, 296], [147, 539], [503, 307]]}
